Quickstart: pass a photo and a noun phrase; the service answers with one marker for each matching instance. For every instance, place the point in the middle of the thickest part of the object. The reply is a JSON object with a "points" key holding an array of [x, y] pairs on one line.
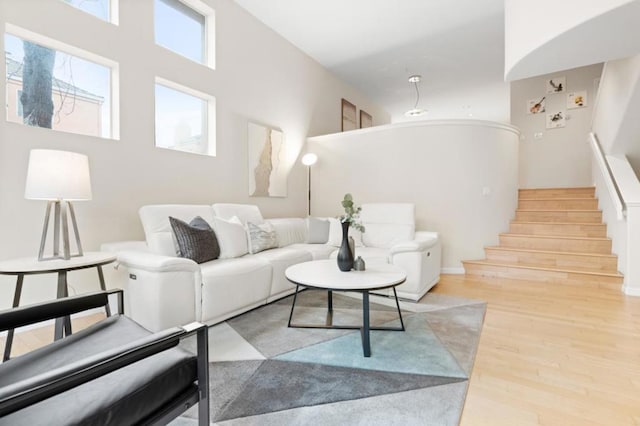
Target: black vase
{"points": [[345, 256]]}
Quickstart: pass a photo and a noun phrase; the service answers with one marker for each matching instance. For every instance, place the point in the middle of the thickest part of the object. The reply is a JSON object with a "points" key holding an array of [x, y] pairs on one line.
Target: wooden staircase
{"points": [[557, 236]]}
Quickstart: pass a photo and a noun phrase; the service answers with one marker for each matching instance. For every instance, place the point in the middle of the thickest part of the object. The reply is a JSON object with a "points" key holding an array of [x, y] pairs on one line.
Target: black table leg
{"points": [[103, 287], [398, 306], [63, 324], [329, 307], [293, 305], [366, 344], [16, 302]]}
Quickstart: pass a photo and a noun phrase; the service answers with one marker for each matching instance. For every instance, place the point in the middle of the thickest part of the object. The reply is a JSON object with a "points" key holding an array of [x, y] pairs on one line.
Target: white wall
{"points": [[615, 119], [544, 36], [259, 76], [440, 166], [562, 157]]}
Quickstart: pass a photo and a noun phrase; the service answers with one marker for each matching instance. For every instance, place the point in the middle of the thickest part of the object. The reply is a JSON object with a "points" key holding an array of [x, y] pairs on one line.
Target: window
{"points": [[103, 9], [19, 103], [183, 28], [55, 89], [185, 119]]}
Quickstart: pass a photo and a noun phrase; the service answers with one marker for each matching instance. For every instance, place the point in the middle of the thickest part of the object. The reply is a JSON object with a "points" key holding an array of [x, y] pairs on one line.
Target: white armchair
{"points": [[390, 235]]}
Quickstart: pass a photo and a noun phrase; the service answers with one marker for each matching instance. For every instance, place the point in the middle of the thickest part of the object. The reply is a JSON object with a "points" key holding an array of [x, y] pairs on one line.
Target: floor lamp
{"points": [[309, 160], [58, 177]]}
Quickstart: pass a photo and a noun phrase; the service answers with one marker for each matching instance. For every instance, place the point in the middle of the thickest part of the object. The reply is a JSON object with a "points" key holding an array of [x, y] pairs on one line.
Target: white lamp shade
{"points": [[309, 159], [57, 175]]}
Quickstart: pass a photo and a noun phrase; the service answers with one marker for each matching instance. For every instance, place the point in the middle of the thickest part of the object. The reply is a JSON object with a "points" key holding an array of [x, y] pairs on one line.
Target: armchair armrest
{"points": [[156, 262], [423, 241], [34, 389], [31, 314]]}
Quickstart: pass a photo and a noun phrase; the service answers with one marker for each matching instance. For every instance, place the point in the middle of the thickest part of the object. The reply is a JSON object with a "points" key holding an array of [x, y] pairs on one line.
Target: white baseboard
{"points": [[52, 322], [631, 290], [453, 271]]}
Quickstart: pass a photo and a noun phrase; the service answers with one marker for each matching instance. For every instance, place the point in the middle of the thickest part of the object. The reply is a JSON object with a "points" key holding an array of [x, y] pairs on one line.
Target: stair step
{"points": [[579, 192], [554, 259], [559, 228], [564, 216], [538, 273], [558, 204], [555, 243]]}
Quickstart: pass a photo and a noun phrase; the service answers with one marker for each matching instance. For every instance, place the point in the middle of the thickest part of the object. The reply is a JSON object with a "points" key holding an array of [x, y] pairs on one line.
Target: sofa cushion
{"points": [[244, 212], [195, 240], [387, 224], [126, 396], [318, 251], [230, 285], [280, 259], [261, 237], [335, 233], [157, 230], [317, 230], [231, 237], [289, 230]]}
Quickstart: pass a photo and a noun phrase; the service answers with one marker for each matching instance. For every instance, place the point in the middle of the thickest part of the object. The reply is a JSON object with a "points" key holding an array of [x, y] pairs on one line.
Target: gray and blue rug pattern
{"points": [[264, 373]]}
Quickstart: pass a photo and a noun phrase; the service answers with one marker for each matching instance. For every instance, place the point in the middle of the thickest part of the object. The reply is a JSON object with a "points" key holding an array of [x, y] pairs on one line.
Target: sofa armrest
{"points": [[423, 241], [34, 389], [156, 262]]}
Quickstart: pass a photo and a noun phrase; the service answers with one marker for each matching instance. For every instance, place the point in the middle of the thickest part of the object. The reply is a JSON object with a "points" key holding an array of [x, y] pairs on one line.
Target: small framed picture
{"points": [[577, 99], [536, 106], [556, 84], [556, 120], [348, 116], [365, 120]]}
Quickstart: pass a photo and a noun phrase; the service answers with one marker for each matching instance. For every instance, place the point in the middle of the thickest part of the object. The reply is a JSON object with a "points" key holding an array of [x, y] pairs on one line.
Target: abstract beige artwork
{"points": [[267, 174]]}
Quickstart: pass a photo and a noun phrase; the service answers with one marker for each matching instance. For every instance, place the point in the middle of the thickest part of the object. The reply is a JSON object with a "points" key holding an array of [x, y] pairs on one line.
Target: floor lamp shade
{"points": [[59, 177]]}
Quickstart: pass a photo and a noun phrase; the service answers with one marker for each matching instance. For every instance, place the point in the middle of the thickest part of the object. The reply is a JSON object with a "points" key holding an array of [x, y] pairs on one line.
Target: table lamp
{"points": [[58, 177], [309, 160]]}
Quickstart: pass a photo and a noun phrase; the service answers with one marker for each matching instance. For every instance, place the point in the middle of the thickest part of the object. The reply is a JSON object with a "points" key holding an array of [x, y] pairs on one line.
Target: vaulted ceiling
{"points": [[375, 45]]}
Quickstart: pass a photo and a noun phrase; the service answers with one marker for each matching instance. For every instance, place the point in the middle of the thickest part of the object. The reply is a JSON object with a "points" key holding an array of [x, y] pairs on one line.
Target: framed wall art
{"points": [[556, 85], [577, 99], [267, 173], [348, 116], [365, 120]]}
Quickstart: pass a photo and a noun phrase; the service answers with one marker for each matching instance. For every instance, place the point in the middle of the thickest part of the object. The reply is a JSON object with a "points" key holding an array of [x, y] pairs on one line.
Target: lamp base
{"points": [[60, 226]]}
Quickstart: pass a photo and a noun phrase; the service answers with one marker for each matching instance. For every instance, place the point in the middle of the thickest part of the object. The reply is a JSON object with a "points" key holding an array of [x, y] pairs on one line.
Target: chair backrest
{"points": [[157, 229], [244, 212], [387, 224]]}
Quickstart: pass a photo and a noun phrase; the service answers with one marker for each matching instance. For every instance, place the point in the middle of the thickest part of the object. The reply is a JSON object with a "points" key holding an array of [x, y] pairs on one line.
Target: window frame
{"points": [[114, 9], [113, 66], [209, 120], [197, 7]]}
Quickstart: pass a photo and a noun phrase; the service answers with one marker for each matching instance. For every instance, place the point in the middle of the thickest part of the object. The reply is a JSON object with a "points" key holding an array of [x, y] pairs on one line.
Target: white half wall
{"points": [[259, 76], [558, 157], [462, 176]]}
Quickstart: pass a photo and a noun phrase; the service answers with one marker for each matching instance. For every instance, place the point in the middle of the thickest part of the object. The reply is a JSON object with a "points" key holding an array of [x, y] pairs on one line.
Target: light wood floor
{"points": [[552, 354], [549, 354]]}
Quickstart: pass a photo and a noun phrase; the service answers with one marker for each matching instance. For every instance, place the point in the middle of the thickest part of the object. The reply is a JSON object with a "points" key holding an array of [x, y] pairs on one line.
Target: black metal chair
{"points": [[114, 372]]}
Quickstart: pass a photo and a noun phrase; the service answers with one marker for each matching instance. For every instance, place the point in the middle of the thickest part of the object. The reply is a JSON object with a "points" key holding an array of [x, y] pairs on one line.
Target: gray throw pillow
{"points": [[195, 240], [317, 230]]}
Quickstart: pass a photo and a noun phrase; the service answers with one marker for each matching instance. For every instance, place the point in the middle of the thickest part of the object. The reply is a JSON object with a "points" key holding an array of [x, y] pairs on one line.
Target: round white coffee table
{"points": [[325, 275]]}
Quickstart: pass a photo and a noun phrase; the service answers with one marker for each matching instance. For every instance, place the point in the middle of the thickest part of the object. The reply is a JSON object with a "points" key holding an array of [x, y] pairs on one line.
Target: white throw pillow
{"points": [[335, 234], [317, 230], [231, 237], [261, 237]]}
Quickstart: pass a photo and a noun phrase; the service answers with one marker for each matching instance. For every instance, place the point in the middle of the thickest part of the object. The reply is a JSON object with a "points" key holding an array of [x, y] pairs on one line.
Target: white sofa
{"points": [[163, 290]]}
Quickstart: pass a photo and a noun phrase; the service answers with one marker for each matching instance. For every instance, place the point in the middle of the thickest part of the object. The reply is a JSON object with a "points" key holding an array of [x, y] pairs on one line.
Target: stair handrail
{"points": [[609, 180]]}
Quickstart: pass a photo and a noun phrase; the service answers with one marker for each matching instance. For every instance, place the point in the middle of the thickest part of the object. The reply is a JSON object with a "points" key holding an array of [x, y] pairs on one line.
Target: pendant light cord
{"points": [[415, 83]]}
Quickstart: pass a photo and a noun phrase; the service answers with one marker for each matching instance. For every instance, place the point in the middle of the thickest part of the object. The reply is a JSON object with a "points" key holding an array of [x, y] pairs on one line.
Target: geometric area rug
{"points": [[264, 373]]}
